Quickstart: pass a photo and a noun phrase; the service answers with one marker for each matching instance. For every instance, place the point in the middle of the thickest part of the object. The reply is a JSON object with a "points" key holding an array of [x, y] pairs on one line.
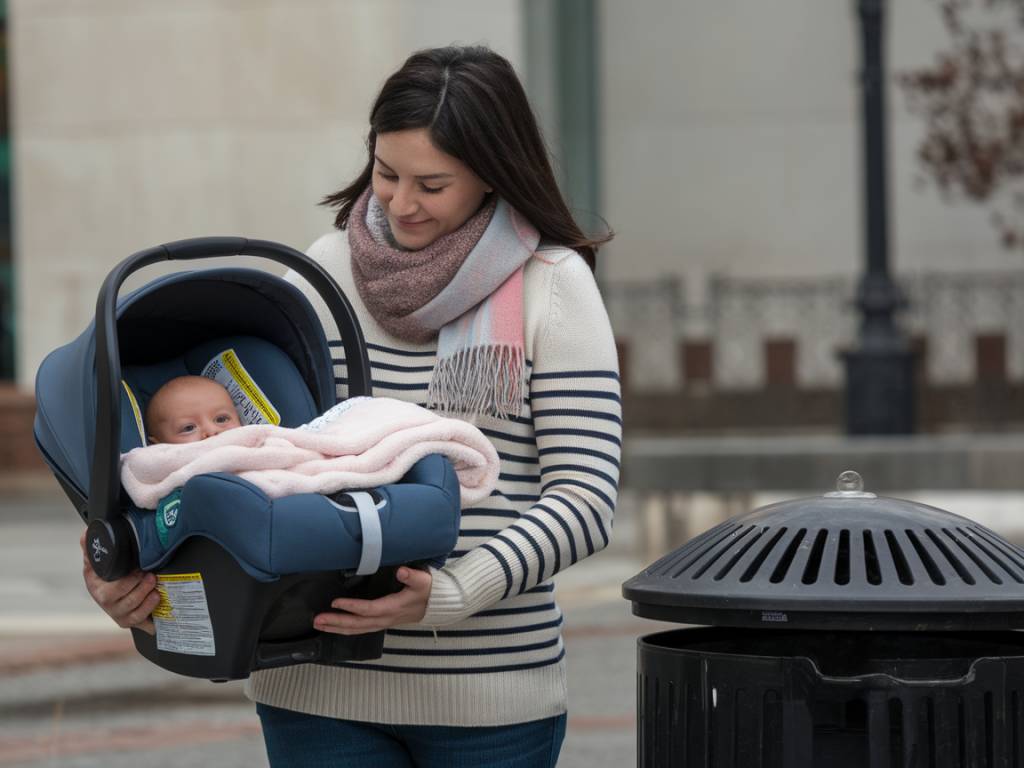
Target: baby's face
{"points": [[191, 410]]}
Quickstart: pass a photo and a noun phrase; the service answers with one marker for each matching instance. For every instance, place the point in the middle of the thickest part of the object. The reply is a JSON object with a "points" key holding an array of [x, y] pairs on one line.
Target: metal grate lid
{"points": [[847, 560]]}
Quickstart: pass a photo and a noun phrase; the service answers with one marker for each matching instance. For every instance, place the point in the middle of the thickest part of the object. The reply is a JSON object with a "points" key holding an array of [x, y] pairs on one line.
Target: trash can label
{"points": [[182, 618]]}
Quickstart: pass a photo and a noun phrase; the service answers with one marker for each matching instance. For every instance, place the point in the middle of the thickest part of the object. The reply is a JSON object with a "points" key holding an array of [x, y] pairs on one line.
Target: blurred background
{"points": [[817, 266]]}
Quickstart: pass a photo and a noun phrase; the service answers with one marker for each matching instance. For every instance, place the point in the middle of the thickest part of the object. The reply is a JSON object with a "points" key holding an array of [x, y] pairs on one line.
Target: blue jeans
{"points": [[298, 740]]}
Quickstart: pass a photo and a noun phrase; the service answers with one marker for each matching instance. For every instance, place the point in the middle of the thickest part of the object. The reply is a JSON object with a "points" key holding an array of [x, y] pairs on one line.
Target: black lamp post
{"points": [[880, 369]]}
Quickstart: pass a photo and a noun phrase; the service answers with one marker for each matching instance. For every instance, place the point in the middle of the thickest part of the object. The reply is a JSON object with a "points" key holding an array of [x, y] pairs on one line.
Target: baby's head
{"points": [[188, 409]]}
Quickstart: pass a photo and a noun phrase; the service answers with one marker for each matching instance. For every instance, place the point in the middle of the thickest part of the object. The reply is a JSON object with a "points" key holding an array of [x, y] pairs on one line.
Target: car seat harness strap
{"points": [[373, 540]]}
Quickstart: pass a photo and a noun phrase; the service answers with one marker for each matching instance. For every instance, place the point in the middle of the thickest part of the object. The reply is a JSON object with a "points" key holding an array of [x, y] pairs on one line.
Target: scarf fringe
{"points": [[487, 380]]}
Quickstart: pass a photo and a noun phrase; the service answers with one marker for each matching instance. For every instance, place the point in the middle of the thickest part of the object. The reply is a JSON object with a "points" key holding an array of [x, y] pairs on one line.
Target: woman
{"points": [[471, 281]]}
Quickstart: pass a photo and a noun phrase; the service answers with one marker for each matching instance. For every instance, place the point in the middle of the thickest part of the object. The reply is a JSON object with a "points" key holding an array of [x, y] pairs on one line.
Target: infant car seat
{"points": [[240, 575]]}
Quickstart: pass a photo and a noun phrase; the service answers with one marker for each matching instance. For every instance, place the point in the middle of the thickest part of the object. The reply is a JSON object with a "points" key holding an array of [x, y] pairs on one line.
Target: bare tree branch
{"points": [[972, 102]]}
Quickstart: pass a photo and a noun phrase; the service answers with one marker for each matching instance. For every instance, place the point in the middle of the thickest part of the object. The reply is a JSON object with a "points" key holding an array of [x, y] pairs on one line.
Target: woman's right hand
{"points": [[129, 601]]}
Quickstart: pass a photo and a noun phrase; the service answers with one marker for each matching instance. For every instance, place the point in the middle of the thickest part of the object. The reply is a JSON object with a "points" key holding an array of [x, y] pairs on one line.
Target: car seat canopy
{"points": [[165, 328]]}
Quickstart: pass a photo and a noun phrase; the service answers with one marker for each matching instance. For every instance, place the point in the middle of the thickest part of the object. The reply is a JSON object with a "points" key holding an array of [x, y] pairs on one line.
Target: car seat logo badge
{"points": [[167, 513], [98, 550], [171, 512]]}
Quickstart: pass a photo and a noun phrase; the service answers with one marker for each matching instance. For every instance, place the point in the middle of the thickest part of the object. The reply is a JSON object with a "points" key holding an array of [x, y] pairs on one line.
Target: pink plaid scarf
{"points": [[466, 287]]}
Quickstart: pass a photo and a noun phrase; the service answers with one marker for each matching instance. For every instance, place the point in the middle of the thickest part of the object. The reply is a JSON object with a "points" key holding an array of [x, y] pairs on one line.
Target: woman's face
{"points": [[425, 192]]}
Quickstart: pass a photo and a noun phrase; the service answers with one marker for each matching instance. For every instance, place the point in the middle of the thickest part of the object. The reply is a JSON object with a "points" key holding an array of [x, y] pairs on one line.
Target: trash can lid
{"points": [[844, 560]]}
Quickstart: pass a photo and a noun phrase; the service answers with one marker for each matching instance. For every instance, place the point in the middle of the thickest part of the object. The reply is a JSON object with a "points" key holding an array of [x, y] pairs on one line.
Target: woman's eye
{"points": [[387, 176], [431, 190]]}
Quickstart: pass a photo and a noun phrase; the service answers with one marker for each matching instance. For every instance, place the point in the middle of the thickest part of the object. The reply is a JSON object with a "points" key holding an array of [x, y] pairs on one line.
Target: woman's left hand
{"points": [[407, 606]]}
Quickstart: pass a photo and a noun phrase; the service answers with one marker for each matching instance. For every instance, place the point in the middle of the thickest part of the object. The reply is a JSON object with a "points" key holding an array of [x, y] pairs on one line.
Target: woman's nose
{"points": [[403, 202]]}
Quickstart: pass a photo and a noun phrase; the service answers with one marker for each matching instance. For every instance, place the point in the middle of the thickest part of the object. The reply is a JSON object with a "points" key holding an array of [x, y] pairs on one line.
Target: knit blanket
{"points": [[361, 443]]}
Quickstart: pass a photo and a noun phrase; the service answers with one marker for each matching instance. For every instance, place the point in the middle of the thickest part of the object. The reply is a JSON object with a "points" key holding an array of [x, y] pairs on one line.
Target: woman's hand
{"points": [[129, 601], [360, 616]]}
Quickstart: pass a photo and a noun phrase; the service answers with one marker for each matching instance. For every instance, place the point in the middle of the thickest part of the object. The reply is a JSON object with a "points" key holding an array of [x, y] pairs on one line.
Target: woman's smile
{"points": [[411, 224]]}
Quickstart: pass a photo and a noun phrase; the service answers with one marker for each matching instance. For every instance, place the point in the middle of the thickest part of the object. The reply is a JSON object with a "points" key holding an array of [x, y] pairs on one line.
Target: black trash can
{"points": [[842, 630]]}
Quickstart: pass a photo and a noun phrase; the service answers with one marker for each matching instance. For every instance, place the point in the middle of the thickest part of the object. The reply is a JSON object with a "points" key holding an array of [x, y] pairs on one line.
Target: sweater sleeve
{"points": [[577, 414]]}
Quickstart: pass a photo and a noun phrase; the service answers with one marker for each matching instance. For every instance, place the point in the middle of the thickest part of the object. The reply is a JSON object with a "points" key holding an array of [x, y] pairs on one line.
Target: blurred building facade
{"points": [[732, 174], [719, 138]]}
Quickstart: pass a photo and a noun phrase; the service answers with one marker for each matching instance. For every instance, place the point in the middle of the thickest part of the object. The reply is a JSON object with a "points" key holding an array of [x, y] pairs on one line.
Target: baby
{"points": [[362, 442], [188, 409]]}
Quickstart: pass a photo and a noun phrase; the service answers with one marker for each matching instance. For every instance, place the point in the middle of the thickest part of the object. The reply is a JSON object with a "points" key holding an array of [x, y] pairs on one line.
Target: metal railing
{"points": [[738, 315]]}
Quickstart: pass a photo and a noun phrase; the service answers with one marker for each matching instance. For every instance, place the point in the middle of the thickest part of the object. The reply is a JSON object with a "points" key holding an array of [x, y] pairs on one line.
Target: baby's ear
{"points": [[150, 440]]}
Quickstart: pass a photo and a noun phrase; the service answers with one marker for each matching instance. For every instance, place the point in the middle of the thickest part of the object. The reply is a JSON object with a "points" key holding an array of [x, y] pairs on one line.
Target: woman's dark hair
{"points": [[475, 109]]}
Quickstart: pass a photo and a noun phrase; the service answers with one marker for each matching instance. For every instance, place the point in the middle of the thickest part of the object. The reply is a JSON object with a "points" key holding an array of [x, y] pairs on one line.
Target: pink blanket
{"points": [[363, 443]]}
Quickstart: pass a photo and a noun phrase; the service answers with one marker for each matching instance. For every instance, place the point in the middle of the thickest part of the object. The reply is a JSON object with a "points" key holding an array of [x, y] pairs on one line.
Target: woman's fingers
{"points": [[415, 592], [140, 616], [416, 579], [109, 593], [346, 624], [134, 608], [379, 608], [143, 591], [357, 616], [129, 601]]}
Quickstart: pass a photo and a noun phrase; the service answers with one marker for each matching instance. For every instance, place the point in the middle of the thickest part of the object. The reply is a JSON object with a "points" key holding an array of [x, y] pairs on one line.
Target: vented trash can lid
{"points": [[844, 560]]}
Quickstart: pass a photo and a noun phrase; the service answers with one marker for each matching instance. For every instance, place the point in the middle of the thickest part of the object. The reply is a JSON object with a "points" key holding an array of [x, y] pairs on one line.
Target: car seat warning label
{"points": [[182, 618], [252, 405]]}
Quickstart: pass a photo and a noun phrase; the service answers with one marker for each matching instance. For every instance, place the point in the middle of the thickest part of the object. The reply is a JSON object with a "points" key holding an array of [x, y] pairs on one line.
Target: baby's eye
{"points": [[187, 428], [223, 418]]}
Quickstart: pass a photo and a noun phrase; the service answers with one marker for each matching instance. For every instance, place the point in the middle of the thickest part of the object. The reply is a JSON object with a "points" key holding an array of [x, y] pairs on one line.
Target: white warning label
{"points": [[183, 619], [252, 405]]}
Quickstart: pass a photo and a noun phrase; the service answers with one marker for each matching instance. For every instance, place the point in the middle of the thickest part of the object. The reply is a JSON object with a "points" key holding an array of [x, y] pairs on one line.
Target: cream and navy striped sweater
{"points": [[489, 650]]}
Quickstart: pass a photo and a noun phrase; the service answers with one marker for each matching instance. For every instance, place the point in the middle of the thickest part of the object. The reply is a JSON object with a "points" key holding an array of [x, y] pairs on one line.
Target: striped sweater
{"points": [[489, 650]]}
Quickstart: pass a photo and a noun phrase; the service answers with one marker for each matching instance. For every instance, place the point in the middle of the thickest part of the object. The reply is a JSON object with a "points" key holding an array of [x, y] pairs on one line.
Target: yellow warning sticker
{"points": [[135, 410], [164, 610], [252, 405], [182, 618], [180, 577]]}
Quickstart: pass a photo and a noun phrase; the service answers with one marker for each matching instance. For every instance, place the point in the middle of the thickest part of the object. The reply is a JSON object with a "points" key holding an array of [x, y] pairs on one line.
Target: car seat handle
{"points": [[105, 485]]}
